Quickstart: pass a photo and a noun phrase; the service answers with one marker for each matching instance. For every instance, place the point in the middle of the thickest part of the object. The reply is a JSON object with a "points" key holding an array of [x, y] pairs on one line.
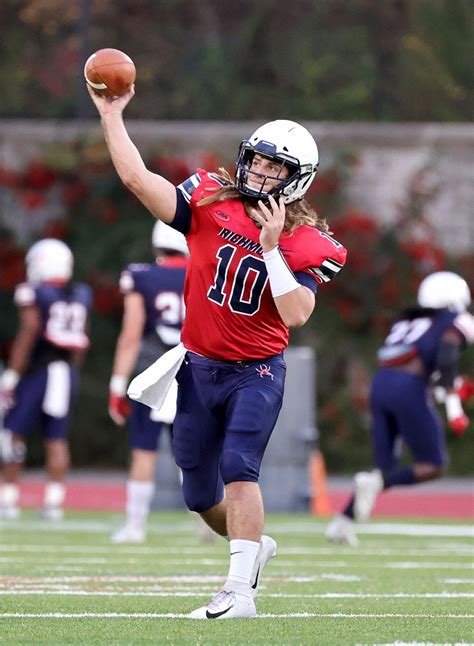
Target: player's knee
{"points": [[236, 467], [197, 501], [428, 471], [198, 496]]}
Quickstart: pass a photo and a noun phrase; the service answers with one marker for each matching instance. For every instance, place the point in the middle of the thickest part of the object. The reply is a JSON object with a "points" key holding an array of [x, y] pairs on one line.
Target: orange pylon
{"points": [[320, 503]]}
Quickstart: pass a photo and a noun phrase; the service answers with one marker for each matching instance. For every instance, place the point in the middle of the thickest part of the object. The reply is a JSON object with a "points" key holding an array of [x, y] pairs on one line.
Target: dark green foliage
{"points": [[362, 60]]}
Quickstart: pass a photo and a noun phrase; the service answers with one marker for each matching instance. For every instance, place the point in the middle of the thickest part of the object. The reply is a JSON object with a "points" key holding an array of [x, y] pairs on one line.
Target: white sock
{"points": [[242, 558], [10, 495], [54, 494], [139, 497]]}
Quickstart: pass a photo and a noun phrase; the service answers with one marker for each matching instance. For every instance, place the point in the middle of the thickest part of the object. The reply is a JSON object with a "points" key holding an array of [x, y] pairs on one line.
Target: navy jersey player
{"points": [[258, 253], [152, 320], [40, 383], [421, 351]]}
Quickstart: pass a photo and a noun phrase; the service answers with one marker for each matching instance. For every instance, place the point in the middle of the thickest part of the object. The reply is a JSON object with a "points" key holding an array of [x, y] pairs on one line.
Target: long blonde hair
{"points": [[297, 214]]}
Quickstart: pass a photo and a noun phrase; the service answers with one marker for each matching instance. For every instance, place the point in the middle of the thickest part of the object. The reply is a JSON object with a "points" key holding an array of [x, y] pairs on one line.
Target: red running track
{"points": [[436, 504], [102, 494]]}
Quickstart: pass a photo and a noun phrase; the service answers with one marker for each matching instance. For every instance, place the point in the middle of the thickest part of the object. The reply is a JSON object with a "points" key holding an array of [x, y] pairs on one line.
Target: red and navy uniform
{"points": [[401, 404], [161, 286], [48, 388], [230, 386], [227, 292]]}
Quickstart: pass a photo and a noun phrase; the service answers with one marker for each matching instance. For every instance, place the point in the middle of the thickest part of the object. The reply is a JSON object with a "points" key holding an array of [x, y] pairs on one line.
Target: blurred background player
{"points": [[40, 383], [421, 351], [151, 325]]}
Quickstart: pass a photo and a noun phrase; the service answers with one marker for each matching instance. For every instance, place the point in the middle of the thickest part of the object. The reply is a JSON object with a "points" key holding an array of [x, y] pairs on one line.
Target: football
{"points": [[110, 72]]}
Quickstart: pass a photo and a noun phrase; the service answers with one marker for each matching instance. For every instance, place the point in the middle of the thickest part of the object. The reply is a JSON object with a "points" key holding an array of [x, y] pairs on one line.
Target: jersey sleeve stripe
{"points": [[189, 185], [317, 272], [332, 264], [218, 179], [327, 270]]}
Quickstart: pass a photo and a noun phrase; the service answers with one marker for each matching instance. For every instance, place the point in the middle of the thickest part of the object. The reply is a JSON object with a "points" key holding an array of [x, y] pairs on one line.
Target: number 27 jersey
{"points": [[230, 312]]}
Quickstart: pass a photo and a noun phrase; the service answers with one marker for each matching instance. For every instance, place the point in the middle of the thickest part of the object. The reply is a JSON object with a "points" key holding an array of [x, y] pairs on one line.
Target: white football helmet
{"points": [[444, 289], [288, 143], [49, 259], [165, 237]]}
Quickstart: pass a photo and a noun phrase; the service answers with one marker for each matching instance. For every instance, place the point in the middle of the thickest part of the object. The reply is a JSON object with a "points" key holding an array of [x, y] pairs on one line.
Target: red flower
{"points": [[327, 182], [175, 170], [8, 177], [32, 200], [107, 297], [12, 264], [110, 214], [210, 161], [74, 192], [58, 229], [390, 292], [38, 176]]}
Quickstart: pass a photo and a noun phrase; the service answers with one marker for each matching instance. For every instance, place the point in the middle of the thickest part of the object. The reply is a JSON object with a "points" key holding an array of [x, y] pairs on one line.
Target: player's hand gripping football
{"points": [[110, 104], [272, 220]]}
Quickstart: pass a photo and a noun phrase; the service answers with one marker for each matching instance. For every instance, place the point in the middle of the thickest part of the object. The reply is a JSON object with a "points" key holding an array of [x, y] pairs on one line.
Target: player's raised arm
{"points": [[153, 190]]}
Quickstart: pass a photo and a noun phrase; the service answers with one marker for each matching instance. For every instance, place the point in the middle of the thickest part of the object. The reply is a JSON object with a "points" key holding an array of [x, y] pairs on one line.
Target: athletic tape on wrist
{"points": [[282, 279], [118, 385], [453, 406], [10, 379]]}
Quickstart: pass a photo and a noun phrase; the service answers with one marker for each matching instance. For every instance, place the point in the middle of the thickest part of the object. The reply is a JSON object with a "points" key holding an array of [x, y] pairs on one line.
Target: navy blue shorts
{"points": [[144, 432], [226, 414], [41, 402], [402, 408]]}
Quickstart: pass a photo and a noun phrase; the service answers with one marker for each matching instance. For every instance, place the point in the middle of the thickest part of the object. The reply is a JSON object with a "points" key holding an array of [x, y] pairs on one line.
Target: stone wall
{"points": [[384, 160]]}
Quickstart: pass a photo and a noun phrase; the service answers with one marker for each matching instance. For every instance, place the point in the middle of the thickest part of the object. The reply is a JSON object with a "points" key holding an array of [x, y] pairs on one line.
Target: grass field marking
{"points": [[413, 565], [200, 593], [103, 549], [419, 644], [448, 550], [380, 528], [113, 560], [457, 580], [288, 528], [93, 526], [114, 579], [394, 565], [172, 615]]}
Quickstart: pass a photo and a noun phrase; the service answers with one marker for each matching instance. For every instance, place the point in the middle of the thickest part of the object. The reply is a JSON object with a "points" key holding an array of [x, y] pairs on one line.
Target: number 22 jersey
{"points": [[230, 311], [63, 311]]}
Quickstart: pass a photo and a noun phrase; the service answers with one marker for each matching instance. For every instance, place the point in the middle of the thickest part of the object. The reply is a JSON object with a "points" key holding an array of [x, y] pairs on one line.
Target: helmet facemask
{"points": [[267, 150]]}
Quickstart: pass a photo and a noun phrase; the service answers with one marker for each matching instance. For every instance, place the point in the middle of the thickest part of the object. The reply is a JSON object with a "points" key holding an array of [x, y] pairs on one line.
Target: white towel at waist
{"points": [[151, 386]]}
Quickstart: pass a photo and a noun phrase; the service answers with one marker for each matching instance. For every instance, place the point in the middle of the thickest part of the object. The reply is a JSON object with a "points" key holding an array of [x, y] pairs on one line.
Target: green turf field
{"points": [[64, 583]]}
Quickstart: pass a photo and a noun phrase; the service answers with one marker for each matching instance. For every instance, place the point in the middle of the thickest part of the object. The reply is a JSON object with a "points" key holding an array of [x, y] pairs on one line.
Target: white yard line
{"points": [[457, 549], [198, 593], [171, 615], [289, 528]]}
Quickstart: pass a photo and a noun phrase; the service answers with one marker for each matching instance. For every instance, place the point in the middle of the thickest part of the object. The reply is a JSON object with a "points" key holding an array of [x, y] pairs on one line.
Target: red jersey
{"points": [[230, 311]]}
